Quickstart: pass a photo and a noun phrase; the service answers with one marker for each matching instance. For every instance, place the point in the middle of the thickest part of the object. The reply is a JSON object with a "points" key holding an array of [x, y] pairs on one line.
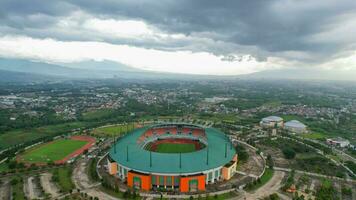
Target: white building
{"points": [[339, 142], [271, 122], [295, 126]]}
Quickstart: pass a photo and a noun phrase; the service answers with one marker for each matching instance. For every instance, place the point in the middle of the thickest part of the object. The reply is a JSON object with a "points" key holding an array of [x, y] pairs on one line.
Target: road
{"points": [[272, 186], [315, 174], [82, 181]]}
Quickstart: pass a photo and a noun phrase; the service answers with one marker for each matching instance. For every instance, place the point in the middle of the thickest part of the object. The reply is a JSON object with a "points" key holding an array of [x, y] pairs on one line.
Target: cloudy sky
{"points": [[185, 36]]}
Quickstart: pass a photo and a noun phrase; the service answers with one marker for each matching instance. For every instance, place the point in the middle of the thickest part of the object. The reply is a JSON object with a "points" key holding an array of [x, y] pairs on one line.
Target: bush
{"points": [[14, 181], [288, 153], [242, 153], [269, 161]]}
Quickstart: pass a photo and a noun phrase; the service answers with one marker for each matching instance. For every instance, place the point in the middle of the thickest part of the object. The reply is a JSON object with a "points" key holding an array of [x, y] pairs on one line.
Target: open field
{"points": [[19, 136], [114, 130], [315, 136], [17, 189], [175, 148], [53, 151], [97, 114], [62, 176]]}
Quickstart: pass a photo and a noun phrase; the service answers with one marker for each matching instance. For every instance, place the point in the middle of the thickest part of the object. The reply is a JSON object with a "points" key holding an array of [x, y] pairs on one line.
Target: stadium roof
{"points": [[272, 119], [170, 163], [294, 124]]}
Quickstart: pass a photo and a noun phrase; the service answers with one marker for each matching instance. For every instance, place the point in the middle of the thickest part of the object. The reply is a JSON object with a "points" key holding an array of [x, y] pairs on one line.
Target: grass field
{"points": [[53, 151], [175, 148], [114, 130], [14, 137], [264, 179], [62, 177], [17, 190], [315, 136], [97, 114]]}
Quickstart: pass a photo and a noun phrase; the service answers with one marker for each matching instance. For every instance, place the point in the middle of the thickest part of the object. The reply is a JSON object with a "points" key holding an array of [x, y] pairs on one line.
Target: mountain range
{"points": [[18, 70]]}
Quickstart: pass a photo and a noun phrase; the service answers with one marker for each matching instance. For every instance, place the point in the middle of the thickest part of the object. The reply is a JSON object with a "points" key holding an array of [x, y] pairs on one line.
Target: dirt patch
{"points": [[5, 190], [253, 166], [48, 186]]}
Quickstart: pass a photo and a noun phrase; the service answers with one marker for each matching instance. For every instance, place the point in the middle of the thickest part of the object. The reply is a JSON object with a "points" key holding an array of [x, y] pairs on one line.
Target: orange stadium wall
{"points": [[184, 183], [113, 168], [229, 171], [145, 180]]}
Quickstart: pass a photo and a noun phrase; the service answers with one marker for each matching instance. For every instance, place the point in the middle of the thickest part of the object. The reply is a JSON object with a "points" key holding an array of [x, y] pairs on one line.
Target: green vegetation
{"points": [[260, 182], [288, 153], [351, 165], [97, 114], [314, 136], [175, 148], [4, 167], [289, 182], [269, 161], [29, 136], [346, 191], [326, 191], [92, 170], [62, 176], [305, 158], [113, 190], [17, 188], [241, 151], [273, 196], [293, 117], [52, 151], [114, 130], [228, 195]]}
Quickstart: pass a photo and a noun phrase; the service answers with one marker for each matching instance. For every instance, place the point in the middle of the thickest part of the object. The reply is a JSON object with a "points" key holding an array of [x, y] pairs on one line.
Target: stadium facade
{"points": [[135, 160]]}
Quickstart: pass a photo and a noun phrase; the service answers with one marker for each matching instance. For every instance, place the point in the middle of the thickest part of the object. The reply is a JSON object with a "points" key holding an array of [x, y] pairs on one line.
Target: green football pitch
{"points": [[175, 148], [53, 151]]}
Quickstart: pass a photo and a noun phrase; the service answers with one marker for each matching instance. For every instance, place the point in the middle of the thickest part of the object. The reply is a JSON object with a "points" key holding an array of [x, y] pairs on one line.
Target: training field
{"points": [[53, 151], [114, 130], [175, 148]]}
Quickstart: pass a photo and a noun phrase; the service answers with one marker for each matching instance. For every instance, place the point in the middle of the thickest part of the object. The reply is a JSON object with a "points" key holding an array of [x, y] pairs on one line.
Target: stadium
{"points": [[177, 157]]}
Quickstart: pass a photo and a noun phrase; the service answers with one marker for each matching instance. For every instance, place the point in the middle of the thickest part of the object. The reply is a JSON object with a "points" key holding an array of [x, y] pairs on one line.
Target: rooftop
{"points": [[272, 119], [142, 160], [295, 124]]}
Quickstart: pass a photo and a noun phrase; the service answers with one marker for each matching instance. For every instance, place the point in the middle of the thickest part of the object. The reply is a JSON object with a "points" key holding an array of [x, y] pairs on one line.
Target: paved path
{"points": [[82, 181], [272, 186], [30, 188], [315, 174]]}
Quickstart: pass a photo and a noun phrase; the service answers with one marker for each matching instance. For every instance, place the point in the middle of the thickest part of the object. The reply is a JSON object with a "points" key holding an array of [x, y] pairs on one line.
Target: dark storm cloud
{"points": [[15, 13], [259, 27]]}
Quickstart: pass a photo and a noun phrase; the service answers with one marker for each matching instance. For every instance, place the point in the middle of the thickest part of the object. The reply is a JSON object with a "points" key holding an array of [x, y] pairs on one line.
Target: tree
{"points": [[288, 153], [14, 181], [12, 165], [242, 153], [269, 161]]}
